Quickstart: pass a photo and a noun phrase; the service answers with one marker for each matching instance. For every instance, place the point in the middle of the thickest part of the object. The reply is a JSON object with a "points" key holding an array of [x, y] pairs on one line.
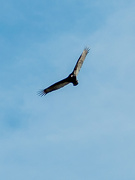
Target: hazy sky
{"points": [[85, 132]]}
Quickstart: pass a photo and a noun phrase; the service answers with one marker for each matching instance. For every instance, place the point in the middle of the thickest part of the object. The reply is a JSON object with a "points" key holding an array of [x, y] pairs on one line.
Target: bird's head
{"points": [[73, 79]]}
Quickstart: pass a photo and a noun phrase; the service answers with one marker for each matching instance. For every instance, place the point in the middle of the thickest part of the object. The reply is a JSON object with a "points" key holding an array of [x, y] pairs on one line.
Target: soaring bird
{"points": [[72, 78]]}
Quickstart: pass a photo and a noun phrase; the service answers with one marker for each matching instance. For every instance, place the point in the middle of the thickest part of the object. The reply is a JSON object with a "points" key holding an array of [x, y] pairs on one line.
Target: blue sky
{"points": [[83, 132]]}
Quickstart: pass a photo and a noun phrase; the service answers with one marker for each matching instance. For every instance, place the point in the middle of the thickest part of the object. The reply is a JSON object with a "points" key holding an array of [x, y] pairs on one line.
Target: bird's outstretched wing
{"points": [[53, 87], [80, 61]]}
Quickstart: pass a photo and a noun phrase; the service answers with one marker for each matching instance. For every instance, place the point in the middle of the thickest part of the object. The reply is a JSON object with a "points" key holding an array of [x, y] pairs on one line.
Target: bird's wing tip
{"points": [[41, 93], [87, 49]]}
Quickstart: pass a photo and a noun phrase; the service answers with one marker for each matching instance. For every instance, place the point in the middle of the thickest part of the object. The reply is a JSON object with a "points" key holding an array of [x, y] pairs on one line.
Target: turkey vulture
{"points": [[72, 78]]}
